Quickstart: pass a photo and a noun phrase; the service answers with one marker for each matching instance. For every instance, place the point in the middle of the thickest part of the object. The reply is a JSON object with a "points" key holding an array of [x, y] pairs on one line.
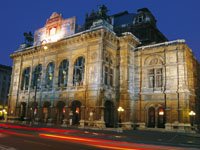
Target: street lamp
{"points": [[192, 115], [120, 109], [37, 76]]}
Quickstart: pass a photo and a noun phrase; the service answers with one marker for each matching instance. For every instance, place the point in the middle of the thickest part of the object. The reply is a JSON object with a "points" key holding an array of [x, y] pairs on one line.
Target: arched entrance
{"points": [[59, 112], [23, 111], [161, 118], [45, 111], [151, 116], [33, 110], [76, 109], [109, 114]]}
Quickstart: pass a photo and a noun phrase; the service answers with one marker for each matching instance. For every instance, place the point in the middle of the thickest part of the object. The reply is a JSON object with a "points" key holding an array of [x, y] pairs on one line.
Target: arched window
{"points": [[49, 74], [108, 71], [63, 73], [79, 68], [25, 79], [36, 77]]}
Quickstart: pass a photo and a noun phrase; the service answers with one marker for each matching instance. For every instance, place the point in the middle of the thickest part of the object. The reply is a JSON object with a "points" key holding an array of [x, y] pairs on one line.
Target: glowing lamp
{"points": [[45, 47], [77, 110], [192, 113], [120, 109], [161, 113]]}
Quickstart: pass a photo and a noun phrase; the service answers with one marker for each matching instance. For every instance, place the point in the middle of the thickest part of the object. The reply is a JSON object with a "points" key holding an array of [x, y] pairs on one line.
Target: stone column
{"points": [[101, 123], [82, 121], [66, 117]]}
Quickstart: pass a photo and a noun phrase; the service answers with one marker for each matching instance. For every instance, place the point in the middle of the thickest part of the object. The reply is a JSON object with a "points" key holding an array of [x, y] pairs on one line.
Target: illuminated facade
{"points": [[83, 77]]}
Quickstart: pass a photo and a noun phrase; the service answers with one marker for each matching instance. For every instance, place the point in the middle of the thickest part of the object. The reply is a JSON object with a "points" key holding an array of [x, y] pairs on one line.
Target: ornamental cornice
{"points": [[129, 38], [77, 38]]}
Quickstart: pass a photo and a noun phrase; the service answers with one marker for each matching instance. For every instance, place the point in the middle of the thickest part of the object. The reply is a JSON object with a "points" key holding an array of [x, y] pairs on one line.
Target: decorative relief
{"points": [[154, 60], [93, 75], [94, 55], [78, 95], [16, 70]]}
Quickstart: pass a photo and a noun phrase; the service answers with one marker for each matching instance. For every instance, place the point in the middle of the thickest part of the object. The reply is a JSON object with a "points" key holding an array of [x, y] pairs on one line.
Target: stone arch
{"points": [[47, 63], [154, 119], [154, 60], [77, 56], [61, 60]]}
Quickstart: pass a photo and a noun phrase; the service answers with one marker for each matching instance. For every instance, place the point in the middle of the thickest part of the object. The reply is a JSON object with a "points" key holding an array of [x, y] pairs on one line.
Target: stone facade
{"points": [[156, 85]]}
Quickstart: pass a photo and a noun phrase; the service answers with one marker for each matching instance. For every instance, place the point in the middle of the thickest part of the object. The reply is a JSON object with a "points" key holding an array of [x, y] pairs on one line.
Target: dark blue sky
{"points": [[176, 19]]}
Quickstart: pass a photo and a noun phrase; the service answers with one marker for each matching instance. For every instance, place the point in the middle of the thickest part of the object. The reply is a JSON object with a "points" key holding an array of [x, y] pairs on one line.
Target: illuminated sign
{"points": [[56, 28]]}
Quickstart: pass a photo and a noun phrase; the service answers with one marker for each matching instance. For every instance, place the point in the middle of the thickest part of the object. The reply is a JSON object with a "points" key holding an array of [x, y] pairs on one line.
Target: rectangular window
{"points": [[158, 81], [158, 77], [155, 78], [151, 81], [106, 76], [151, 78], [111, 77]]}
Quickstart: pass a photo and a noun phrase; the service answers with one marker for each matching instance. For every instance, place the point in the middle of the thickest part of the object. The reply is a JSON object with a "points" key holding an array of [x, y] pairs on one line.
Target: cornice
{"points": [[76, 38]]}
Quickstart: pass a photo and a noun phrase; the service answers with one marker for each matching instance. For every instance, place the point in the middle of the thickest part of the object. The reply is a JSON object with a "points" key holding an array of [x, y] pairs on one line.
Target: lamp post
{"points": [[37, 76], [192, 115], [120, 109]]}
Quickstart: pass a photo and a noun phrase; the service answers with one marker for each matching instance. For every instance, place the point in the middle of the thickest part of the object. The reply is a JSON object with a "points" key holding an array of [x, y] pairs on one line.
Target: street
{"points": [[25, 142], [15, 137]]}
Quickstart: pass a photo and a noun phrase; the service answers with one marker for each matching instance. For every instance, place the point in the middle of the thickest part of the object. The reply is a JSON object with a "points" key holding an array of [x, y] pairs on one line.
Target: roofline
{"points": [[179, 41], [71, 36]]}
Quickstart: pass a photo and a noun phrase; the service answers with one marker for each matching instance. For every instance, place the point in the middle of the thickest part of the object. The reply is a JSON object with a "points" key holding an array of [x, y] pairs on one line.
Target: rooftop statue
{"points": [[102, 12], [28, 38]]}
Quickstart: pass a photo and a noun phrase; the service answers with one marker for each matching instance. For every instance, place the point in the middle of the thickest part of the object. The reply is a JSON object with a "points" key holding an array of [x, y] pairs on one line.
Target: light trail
{"points": [[100, 143], [109, 144]]}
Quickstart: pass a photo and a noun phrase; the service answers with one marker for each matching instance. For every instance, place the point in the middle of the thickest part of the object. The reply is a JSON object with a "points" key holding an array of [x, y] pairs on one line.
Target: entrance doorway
{"points": [[45, 111], [109, 114], [76, 109], [23, 110], [161, 118], [33, 110], [60, 112], [151, 122]]}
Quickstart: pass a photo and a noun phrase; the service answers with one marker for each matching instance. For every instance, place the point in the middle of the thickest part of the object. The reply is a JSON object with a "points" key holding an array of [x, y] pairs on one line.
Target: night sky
{"points": [[176, 19]]}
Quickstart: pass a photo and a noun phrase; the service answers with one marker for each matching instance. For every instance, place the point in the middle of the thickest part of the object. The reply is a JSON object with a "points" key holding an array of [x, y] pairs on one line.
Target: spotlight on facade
{"points": [[45, 47]]}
